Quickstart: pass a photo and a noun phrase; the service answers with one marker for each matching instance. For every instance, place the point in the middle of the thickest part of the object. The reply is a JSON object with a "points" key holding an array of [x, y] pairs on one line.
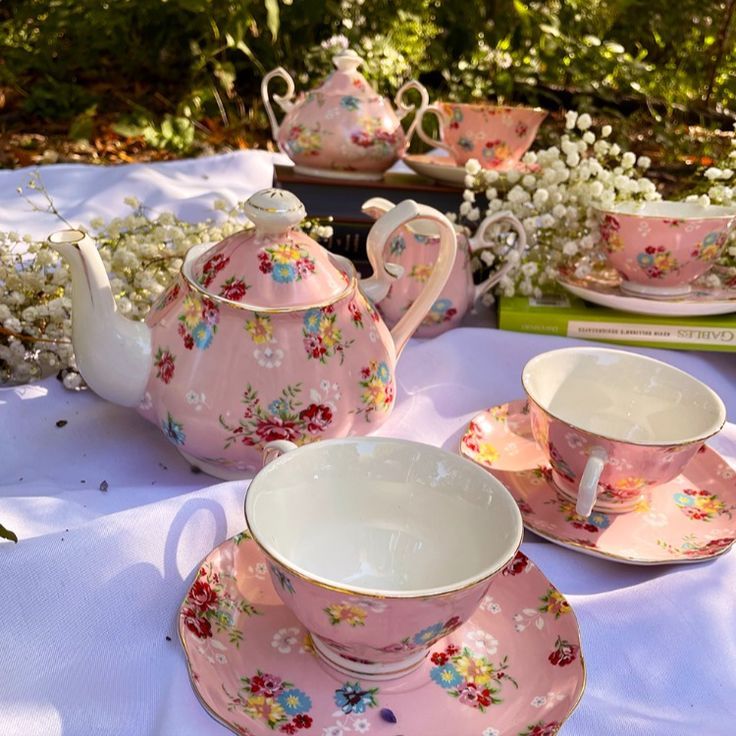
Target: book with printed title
{"points": [[569, 316]]}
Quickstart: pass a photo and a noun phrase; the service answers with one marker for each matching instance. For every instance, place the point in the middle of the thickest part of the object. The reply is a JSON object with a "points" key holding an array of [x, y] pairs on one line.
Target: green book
{"points": [[569, 316]]}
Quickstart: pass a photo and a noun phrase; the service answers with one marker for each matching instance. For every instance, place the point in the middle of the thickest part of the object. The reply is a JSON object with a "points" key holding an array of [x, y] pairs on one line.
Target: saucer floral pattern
{"points": [[688, 519], [492, 677]]}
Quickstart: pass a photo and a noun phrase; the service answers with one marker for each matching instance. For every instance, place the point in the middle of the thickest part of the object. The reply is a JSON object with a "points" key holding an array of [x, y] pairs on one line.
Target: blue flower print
{"points": [[682, 499], [278, 406], [644, 260], [350, 102], [202, 335], [426, 635], [173, 430], [440, 307], [383, 373], [283, 579], [446, 676], [598, 519], [312, 320], [351, 698], [710, 238], [397, 246], [294, 701], [283, 273], [465, 143]]}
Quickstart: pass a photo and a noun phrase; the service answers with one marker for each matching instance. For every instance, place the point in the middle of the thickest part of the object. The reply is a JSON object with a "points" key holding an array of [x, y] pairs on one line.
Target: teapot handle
{"points": [[283, 101], [404, 109], [404, 213], [479, 240], [443, 121]]}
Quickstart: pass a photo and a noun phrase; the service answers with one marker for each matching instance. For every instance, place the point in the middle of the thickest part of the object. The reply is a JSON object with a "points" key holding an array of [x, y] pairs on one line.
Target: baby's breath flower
{"points": [[472, 166], [584, 121]]}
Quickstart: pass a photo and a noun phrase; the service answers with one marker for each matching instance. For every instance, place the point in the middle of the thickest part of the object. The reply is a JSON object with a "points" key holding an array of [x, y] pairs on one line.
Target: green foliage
{"points": [[172, 62]]}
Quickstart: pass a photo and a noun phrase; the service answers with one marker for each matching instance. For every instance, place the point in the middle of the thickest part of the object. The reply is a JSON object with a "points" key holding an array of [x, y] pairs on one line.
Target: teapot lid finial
{"points": [[274, 210], [347, 61]]}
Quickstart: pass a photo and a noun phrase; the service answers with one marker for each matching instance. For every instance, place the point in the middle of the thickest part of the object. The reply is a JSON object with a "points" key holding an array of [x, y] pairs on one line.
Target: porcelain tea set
{"points": [[343, 129], [379, 581], [267, 352]]}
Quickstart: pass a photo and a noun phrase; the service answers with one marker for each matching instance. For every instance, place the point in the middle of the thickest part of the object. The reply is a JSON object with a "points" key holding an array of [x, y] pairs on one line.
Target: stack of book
{"points": [[342, 199], [572, 317]]}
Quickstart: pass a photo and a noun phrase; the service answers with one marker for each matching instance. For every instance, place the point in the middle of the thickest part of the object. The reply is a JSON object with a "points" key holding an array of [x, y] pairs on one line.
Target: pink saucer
{"points": [[515, 668], [689, 519]]}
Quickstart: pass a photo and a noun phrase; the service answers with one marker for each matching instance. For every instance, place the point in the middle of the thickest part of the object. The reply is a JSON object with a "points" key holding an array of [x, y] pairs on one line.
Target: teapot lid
{"points": [[273, 266], [346, 79]]}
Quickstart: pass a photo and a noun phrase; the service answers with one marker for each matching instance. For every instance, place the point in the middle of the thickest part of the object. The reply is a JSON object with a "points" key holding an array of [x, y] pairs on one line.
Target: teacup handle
{"points": [[443, 121], [384, 273], [275, 448], [404, 109], [479, 240], [285, 102], [588, 487]]}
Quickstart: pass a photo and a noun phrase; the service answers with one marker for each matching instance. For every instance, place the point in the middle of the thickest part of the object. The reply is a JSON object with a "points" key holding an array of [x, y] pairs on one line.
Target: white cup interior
{"points": [[383, 516], [674, 210], [623, 396]]}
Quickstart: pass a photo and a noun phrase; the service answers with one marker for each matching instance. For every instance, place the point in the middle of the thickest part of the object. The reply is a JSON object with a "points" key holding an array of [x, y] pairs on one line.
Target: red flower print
{"points": [[520, 129], [362, 139], [608, 227], [264, 263], [304, 266], [315, 346], [451, 649], [288, 728], [452, 623], [165, 365], [202, 595], [471, 695], [302, 720], [564, 653], [200, 627], [439, 658], [188, 342], [276, 428], [317, 417], [365, 372], [355, 314], [517, 565], [212, 267], [233, 289], [541, 729]]}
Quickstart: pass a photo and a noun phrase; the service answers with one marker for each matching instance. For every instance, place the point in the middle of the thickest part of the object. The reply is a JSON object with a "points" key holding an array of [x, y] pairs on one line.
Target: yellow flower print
{"points": [[499, 413], [330, 333], [421, 272], [345, 613], [374, 393], [260, 707], [709, 252], [260, 330], [630, 484], [285, 253], [711, 505], [192, 311], [554, 602], [487, 453], [474, 670]]}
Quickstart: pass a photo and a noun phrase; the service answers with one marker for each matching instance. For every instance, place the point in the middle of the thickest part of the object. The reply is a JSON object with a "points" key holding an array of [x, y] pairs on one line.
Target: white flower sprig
{"points": [[555, 196], [142, 252]]}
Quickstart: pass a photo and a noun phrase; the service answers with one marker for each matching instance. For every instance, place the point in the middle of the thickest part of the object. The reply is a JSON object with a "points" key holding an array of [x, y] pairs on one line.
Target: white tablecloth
{"points": [[91, 592]]}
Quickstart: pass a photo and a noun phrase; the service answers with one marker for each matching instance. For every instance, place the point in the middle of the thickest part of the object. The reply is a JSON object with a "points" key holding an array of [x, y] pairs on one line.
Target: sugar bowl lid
{"points": [[273, 266], [345, 79]]}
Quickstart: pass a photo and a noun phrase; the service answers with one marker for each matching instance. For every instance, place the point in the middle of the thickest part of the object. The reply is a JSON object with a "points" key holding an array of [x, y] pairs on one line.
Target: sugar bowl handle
{"points": [[404, 213], [403, 109], [478, 241], [285, 102]]}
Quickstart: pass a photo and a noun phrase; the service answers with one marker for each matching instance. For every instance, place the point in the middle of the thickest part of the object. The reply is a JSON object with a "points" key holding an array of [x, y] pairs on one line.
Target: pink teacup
{"points": [[494, 135], [660, 248], [613, 424], [379, 546]]}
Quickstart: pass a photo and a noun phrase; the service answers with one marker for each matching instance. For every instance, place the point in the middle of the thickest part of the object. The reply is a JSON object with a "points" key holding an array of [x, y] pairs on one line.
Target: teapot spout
{"points": [[113, 353]]}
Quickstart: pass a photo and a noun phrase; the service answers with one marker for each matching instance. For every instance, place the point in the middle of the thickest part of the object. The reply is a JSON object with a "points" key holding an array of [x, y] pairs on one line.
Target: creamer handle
{"points": [[283, 101]]}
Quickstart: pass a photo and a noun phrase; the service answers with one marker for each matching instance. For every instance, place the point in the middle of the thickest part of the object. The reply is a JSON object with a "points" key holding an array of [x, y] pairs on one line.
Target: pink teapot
{"points": [[415, 248], [343, 129], [265, 336]]}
